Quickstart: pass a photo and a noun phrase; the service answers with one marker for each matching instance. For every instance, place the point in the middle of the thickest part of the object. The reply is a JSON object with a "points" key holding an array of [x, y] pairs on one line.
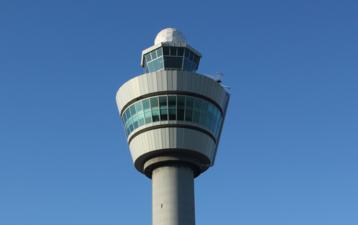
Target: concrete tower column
{"points": [[173, 195]]}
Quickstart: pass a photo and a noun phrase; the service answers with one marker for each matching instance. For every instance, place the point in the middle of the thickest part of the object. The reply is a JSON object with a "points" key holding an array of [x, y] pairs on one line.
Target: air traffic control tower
{"points": [[173, 117]]}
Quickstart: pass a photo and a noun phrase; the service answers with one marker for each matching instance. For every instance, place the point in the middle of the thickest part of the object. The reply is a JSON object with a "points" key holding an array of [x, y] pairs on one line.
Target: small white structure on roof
{"points": [[169, 35]]}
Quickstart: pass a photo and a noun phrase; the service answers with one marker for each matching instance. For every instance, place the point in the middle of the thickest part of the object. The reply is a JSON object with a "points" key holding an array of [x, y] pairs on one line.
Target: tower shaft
{"points": [[173, 195]]}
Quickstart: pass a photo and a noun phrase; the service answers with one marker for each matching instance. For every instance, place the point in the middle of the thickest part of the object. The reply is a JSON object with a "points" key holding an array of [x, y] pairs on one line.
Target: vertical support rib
{"points": [[173, 196]]}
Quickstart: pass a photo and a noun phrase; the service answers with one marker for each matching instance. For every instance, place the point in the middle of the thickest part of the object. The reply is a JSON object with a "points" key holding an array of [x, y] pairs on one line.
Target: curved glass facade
{"points": [[171, 58], [173, 108]]}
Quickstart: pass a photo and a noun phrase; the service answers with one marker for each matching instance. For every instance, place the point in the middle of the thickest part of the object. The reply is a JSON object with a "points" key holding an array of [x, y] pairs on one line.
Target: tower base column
{"points": [[173, 195]]}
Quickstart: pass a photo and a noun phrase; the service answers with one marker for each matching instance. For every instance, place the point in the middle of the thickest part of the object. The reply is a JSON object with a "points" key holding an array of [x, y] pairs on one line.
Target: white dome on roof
{"points": [[169, 35]]}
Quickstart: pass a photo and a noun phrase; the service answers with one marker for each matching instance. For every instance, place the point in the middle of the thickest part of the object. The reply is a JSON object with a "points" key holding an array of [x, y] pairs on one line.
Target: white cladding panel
{"points": [[171, 80], [172, 138]]}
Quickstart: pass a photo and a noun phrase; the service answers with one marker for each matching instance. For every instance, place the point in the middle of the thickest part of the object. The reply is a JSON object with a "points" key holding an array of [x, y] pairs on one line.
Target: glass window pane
{"points": [[196, 59], [152, 66], [208, 117], [126, 116], [129, 121], [188, 114], [124, 119], [135, 125], [180, 51], [153, 54], [130, 128], [140, 119], [172, 107], [163, 101], [204, 106], [213, 122], [188, 108], [141, 122], [187, 53], [155, 65], [203, 113], [147, 111], [163, 108], [155, 114], [155, 109], [197, 104], [132, 109], [159, 52], [148, 116], [181, 102], [189, 102], [147, 57], [180, 107], [165, 50], [128, 113], [160, 63], [196, 116], [173, 51], [180, 114], [172, 101], [217, 121], [194, 66], [146, 104], [154, 102], [138, 106], [172, 114], [191, 56], [218, 126], [188, 65], [173, 62]]}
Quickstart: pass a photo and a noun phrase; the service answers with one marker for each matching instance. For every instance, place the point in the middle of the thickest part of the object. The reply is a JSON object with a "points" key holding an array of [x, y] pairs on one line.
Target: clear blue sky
{"points": [[289, 150]]}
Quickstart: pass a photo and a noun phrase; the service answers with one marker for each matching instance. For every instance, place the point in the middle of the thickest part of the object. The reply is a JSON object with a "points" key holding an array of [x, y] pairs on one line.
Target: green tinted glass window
{"points": [[159, 52], [154, 102], [135, 125], [155, 109], [146, 104], [147, 57], [173, 108], [128, 114], [148, 115], [154, 54], [155, 114], [132, 109], [138, 106], [141, 119], [147, 111]]}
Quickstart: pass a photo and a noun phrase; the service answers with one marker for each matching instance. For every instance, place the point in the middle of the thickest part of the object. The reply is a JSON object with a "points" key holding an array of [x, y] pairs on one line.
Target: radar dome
{"points": [[169, 35]]}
